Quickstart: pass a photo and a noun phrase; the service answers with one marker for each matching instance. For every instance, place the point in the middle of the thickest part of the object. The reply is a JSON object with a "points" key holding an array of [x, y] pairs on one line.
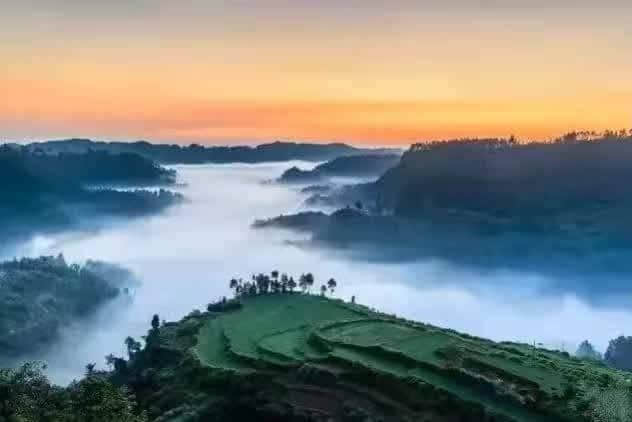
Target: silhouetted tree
{"points": [[291, 284], [302, 282], [234, 284], [323, 290], [133, 347], [90, 368], [332, 285], [309, 280], [155, 322]]}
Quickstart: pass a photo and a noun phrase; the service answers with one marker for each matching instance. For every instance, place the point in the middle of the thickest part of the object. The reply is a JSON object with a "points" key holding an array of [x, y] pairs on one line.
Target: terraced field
{"points": [[286, 332]]}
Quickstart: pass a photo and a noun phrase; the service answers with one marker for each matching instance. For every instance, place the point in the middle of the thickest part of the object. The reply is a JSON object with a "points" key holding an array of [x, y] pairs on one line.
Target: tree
{"points": [[309, 280], [619, 353], [284, 282], [323, 290], [587, 351], [23, 392], [274, 274], [133, 347], [90, 368], [155, 322], [234, 284], [291, 284], [302, 282], [332, 285], [96, 399]]}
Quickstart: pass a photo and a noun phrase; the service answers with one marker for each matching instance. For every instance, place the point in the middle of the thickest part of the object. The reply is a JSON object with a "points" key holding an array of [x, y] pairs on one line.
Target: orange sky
{"points": [[246, 71]]}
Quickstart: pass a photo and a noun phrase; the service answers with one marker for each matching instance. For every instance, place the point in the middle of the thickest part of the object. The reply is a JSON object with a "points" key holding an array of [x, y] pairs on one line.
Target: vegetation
{"points": [[96, 168], [26, 395], [271, 354], [40, 295], [619, 353], [558, 208], [349, 166], [43, 192], [197, 154], [587, 351]]}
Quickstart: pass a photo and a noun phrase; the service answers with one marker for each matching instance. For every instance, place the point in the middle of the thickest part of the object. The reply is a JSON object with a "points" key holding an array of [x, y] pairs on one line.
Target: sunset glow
{"points": [[246, 71]]}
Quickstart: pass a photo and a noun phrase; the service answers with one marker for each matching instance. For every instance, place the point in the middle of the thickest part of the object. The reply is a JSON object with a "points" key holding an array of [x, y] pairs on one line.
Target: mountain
{"points": [[44, 192], [197, 154], [373, 165]]}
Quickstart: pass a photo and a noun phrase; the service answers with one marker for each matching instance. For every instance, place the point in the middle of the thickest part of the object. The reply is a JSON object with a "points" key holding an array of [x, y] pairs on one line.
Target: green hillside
{"points": [[355, 346]]}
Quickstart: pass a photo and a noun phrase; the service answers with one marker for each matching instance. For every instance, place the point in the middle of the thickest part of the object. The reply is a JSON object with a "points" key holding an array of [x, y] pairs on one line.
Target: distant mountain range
{"points": [[198, 154]]}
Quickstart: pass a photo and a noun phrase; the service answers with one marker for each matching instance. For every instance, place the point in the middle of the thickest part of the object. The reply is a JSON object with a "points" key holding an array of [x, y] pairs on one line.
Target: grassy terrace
{"points": [[280, 332]]}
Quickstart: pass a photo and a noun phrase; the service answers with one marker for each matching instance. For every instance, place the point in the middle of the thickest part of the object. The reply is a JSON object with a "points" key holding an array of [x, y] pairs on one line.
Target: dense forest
{"points": [[98, 168], [40, 295], [45, 192], [197, 154], [554, 207], [373, 165]]}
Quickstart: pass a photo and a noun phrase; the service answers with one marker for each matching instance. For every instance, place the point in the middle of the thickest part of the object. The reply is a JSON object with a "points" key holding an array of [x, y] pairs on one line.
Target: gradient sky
{"points": [[357, 70]]}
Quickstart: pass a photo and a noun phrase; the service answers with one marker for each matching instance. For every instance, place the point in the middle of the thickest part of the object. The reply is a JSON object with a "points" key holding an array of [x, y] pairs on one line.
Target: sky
{"points": [[362, 71]]}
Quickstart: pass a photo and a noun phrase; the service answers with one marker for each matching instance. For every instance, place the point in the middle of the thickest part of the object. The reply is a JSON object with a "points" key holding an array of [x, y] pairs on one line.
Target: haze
{"points": [[185, 258]]}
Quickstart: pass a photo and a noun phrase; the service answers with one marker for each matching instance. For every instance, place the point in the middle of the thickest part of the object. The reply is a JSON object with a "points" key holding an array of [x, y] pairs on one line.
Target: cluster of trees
{"points": [[618, 355], [44, 192], [277, 282], [38, 295], [26, 395], [503, 177]]}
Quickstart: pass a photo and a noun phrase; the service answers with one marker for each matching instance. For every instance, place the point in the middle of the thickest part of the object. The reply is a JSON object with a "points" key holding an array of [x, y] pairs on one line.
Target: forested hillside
{"points": [[197, 154], [38, 296], [43, 192]]}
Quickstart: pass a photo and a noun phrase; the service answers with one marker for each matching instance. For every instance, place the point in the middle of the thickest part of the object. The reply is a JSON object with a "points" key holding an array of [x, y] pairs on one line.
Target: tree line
{"points": [[276, 282]]}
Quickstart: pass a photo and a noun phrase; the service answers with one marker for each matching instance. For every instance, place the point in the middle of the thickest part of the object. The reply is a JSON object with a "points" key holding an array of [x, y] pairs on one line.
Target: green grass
{"points": [[278, 331]]}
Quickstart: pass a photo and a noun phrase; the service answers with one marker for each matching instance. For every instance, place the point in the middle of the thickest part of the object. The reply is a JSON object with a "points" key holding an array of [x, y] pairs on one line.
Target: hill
{"points": [[349, 166], [197, 154], [291, 357], [554, 208], [38, 296], [44, 192], [296, 357]]}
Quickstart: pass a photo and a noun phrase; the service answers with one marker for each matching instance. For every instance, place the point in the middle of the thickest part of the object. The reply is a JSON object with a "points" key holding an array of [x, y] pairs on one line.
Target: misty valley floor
{"points": [[185, 257]]}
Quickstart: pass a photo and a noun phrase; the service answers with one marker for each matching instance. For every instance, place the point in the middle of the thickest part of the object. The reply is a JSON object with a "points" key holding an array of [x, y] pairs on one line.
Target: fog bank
{"points": [[186, 256]]}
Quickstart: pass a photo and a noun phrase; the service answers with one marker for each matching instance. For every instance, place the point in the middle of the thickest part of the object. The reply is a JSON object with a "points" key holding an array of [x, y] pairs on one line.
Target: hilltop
{"points": [[299, 357], [290, 357]]}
